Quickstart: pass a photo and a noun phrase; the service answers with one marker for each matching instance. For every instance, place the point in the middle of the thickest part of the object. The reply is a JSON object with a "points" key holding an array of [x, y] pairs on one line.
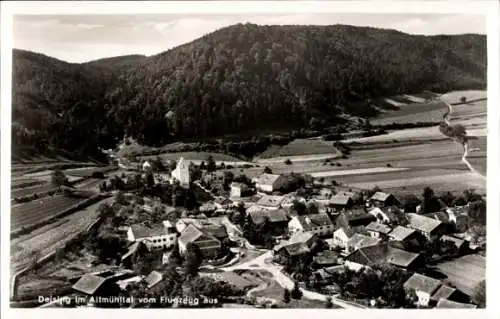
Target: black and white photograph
{"points": [[294, 160]]}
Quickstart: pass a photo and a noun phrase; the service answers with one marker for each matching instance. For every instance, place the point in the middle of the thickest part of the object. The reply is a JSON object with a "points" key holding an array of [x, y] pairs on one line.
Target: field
{"points": [[465, 272], [412, 113], [47, 238], [194, 156], [24, 182], [477, 158], [300, 148], [32, 190], [88, 171], [26, 214]]}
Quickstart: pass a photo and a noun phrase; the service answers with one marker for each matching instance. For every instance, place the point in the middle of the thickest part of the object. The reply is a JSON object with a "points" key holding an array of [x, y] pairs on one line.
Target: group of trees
{"points": [[240, 78]]}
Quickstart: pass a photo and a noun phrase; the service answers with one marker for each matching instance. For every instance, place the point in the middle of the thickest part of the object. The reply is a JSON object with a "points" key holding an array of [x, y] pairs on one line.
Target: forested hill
{"points": [[240, 78]]}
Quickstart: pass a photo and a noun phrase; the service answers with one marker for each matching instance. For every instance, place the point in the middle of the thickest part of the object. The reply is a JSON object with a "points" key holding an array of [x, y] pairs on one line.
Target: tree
{"points": [[479, 295], [211, 166], [296, 292], [192, 259], [463, 99], [228, 179], [288, 161], [150, 180], [329, 303], [268, 170], [298, 207], [58, 178], [286, 296]]}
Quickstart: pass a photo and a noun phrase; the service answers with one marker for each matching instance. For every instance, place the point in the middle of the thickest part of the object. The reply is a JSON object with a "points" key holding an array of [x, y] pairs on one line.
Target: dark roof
{"points": [[89, 284], [219, 231], [443, 292], [378, 227], [382, 253], [340, 200], [274, 216], [423, 283], [153, 278], [311, 221], [441, 216], [142, 231], [444, 303], [295, 249], [401, 233], [326, 258], [354, 217], [457, 241], [422, 223]]}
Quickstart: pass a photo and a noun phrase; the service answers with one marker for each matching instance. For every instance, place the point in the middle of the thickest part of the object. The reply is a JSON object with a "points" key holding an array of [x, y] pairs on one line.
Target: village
{"points": [[176, 234]]}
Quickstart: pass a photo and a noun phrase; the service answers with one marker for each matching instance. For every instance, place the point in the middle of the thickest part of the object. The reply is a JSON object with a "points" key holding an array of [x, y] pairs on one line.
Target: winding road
{"points": [[463, 140]]}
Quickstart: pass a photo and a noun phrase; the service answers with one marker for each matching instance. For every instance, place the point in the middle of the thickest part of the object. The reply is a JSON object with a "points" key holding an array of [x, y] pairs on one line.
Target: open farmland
{"points": [[300, 150], [88, 171], [24, 182], [477, 155], [412, 113], [193, 156], [32, 212], [21, 192], [47, 238], [470, 95], [465, 272]]}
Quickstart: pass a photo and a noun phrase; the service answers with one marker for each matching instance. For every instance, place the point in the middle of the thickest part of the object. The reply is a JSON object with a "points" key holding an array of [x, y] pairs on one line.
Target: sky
{"points": [[82, 38]]}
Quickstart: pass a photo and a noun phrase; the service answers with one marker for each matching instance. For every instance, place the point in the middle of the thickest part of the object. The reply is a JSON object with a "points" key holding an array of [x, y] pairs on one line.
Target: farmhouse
{"points": [[267, 182], [429, 227], [208, 244], [270, 202], [239, 190], [403, 235], [96, 286], [358, 241], [277, 219], [388, 215], [326, 258], [291, 250], [448, 304], [353, 218], [339, 202], [423, 286], [217, 230], [319, 224], [181, 173], [342, 235], [383, 253], [378, 230], [380, 199], [153, 279], [449, 293], [304, 237], [156, 236], [459, 243]]}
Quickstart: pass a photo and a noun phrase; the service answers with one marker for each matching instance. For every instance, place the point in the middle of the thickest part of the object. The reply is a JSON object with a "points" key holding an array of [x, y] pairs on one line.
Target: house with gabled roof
{"points": [[378, 230], [277, 220], [429, 227], [342, 235], [319, 224], [340, 201], [270, 202], [306, 237], [239, 190], [353, 218], [96, 286], [381, 199], [208, 244], [423, 286], [380, 253], [153, 278], [217, 230], [458, 242], [156, 236], [358, 241], [448, 304], [267, 183], [291, 250], [449, 293]]}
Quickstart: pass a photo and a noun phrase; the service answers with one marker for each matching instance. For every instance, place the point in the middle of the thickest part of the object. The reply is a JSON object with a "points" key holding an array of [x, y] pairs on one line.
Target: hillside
{"points": [[237, 79]]}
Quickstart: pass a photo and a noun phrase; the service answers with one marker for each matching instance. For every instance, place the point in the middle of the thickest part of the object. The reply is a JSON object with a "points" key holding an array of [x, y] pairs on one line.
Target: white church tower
{"points": [[181, 172]]}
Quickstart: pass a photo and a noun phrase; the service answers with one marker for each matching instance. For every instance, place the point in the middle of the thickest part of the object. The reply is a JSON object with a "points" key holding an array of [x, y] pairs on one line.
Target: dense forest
{"points": [[239, 79]]}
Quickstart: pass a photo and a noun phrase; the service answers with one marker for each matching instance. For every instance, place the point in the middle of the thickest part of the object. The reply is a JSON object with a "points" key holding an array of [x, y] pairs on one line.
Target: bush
{"points": [[288, 161], [296, 293]]}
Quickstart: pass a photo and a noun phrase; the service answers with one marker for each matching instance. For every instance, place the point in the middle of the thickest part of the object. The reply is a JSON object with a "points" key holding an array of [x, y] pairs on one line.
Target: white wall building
{"points": [[157, 236], [181, 172]]}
